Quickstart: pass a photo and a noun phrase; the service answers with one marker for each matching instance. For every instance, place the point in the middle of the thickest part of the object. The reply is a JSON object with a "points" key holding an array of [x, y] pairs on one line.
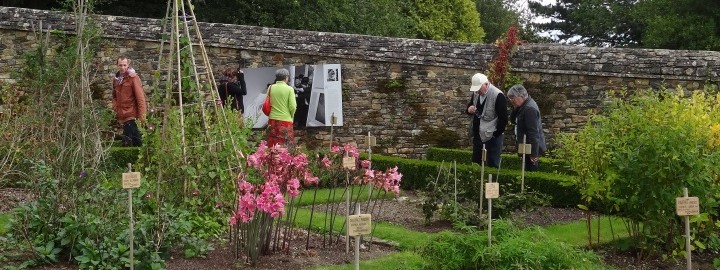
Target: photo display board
{"points": [[318, 93]]}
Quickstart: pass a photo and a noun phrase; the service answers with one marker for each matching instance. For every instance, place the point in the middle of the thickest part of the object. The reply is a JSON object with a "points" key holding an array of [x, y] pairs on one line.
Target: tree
{"points": [[455, 20], [591, 22], [679, 24]]}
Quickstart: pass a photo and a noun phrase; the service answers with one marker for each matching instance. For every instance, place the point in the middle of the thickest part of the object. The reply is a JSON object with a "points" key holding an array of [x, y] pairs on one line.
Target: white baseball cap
{"points": [[477, 81]]}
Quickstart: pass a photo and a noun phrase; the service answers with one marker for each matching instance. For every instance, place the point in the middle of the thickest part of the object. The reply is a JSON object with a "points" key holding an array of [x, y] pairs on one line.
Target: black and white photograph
{"points": [[318, 94], [332, 75]]}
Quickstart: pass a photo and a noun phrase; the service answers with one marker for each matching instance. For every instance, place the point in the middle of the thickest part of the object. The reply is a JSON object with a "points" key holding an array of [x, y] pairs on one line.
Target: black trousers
{"points": [[493, 147], [531, 166], [131, 134]]}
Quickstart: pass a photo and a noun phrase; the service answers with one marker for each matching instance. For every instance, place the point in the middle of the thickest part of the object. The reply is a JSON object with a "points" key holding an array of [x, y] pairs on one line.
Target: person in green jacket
{"points": [[283, 106]]}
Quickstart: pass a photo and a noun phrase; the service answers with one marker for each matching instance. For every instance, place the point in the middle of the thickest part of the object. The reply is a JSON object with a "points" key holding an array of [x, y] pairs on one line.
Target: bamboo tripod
{"points": [[190, 83]]}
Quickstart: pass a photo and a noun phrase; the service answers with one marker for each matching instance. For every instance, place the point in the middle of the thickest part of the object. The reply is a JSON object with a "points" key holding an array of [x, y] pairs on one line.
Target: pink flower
{"points": [[335, 149], [245, 187], [365, 164], [300, 161], [310, 179], [351, 150], [233, 221], [255, 161], [195, 192], [326, 162], [293, 187]]}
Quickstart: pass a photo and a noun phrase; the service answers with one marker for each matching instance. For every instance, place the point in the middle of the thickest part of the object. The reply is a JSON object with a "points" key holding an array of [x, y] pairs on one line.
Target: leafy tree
{"points": [[683, 24], [369, 17], [679, 24], [591, 22], [456, 20]]}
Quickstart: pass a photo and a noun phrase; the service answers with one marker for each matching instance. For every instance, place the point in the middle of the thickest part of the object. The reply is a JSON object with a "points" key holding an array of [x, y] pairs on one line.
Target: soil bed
{"points": [[405, 211]]}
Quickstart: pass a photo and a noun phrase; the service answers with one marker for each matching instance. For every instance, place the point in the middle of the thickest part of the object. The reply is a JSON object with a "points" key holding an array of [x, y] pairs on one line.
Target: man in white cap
{"points": [[489, 118]]}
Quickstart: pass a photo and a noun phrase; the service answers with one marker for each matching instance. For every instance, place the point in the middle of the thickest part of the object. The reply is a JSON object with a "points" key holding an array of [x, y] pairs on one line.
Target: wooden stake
{"points": [[132, 229], [482, 182], [688, 250], [489, 215], [357, 241], [524, 152]]}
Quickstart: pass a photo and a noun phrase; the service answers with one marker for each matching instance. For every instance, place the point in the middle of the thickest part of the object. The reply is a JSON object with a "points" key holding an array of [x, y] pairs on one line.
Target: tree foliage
{"points": [[678, 24], [456, 20]]}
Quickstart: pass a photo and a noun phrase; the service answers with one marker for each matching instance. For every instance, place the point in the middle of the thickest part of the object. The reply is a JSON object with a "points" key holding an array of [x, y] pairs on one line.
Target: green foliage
{"points": [[511, 249], [629, 23], [119, 157], [452, 20], [695, 24], [509, 161], [417, 174], [510, 202], [638, 157]]}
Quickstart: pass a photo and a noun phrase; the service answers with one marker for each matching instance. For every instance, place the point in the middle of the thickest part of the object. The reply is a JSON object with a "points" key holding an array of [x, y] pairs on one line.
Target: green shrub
{"points": [[640, 155], [511, 249], [509, 161], [417, 172]]}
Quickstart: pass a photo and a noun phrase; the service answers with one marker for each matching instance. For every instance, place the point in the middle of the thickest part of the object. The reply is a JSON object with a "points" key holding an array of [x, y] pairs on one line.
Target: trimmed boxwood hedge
{"points": [[509, 161], [417, 174]]}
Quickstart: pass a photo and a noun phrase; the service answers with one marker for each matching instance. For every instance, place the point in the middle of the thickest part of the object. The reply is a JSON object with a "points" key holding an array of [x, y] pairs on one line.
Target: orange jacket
{"points": [[128, 99]]}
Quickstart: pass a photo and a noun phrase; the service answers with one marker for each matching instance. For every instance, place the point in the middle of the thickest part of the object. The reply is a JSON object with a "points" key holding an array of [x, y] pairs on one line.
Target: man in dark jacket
{"points": [[526, 117]]}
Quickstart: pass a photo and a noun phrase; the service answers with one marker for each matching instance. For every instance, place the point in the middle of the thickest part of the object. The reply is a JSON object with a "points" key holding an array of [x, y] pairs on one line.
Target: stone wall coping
{"points": [[533, 58]]}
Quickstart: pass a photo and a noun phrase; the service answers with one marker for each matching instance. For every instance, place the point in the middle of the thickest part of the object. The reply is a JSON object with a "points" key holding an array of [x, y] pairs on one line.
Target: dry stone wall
{"points": [[405, 91]]}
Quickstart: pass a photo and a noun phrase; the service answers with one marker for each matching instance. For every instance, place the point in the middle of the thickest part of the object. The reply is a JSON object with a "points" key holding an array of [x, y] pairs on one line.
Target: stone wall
{"points": [[431, 78]]}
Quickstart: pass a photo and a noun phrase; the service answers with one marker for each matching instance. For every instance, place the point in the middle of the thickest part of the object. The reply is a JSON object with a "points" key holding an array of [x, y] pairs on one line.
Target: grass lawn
{"points": [[401, 260], [575, 233], [328, 195], [406, 238]]}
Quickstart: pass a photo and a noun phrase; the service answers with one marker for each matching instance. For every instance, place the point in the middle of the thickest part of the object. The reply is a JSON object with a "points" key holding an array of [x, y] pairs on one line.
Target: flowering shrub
{"points": [[261, 205], [282, 172]]}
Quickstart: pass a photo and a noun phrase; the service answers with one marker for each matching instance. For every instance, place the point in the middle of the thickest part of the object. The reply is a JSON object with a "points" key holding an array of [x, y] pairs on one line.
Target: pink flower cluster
{"points": [[282, 171], [388, 180]]}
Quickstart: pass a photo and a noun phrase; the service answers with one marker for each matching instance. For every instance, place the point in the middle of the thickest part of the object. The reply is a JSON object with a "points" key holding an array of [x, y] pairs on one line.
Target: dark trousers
{"points": [[493, 147], [131, 134], [531, 166]]}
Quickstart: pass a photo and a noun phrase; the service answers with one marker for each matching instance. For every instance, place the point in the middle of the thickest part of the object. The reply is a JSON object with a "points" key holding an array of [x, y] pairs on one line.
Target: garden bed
{"points": [[405, 211]]}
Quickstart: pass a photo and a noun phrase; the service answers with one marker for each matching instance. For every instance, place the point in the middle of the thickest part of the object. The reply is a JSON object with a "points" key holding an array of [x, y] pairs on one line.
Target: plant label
{"points": [[359, 224], [131, 180], [687, 206], [492, 190], [370, 141], [525, 149], [349, 163], [333, 120]]}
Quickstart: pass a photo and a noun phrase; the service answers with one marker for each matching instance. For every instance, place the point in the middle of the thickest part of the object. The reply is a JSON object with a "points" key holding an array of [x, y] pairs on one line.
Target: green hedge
{"points": [[120, 156], [418, 173], [509, 161]]}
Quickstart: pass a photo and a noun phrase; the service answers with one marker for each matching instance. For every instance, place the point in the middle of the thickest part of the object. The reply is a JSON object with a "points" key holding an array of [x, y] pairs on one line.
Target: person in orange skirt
{"points": [[282, 112]]}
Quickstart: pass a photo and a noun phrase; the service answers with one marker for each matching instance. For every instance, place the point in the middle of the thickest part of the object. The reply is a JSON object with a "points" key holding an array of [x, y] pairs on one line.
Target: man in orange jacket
{"points": [[128, 101]]}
